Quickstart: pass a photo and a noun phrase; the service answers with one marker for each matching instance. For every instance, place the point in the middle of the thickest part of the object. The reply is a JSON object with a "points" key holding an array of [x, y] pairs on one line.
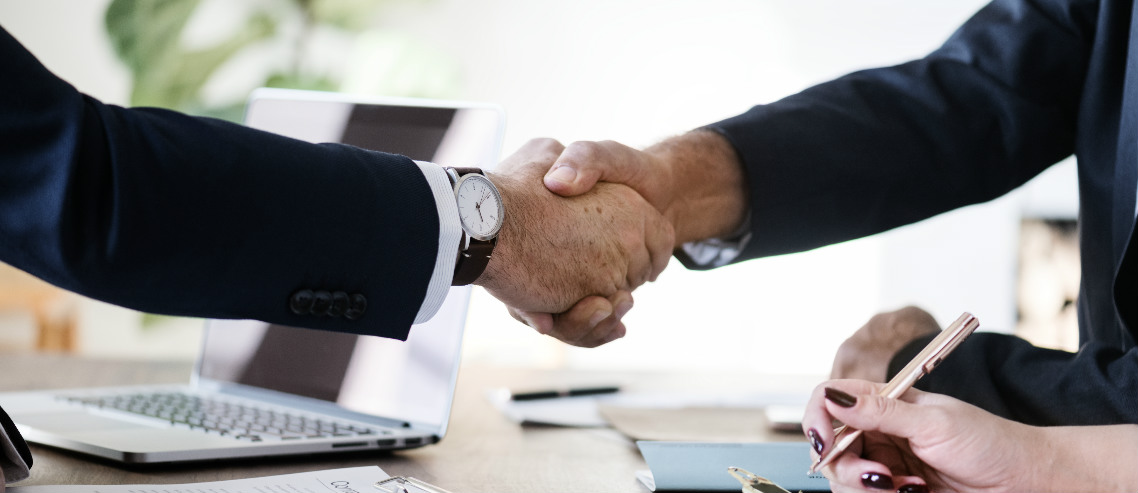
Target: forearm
{"points": [[709, 187], [130, 205], [1009, 377], [1086, 458]]}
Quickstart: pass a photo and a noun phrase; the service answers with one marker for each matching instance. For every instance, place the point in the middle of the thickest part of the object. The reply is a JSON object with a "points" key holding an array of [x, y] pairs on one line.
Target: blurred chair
{"points": [[53, 310]]}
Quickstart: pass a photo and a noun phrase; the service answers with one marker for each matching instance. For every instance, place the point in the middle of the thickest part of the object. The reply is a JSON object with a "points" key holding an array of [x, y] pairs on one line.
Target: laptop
{"points": [[261, 389]]}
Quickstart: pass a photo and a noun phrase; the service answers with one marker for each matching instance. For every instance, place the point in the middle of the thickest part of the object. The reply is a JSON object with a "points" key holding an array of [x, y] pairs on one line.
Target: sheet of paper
{"points": [[588, 411], [358, 479], [702, 466], [698, 424]]}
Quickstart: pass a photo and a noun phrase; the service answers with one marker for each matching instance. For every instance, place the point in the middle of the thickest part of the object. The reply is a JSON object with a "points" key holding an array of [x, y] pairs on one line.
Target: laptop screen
{"points": [[413, 380]]}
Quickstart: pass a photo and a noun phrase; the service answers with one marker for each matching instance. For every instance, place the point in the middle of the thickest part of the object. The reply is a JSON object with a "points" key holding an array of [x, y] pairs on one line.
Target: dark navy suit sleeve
{"points": [[1009, 377], [876, 149], [167, 213]]}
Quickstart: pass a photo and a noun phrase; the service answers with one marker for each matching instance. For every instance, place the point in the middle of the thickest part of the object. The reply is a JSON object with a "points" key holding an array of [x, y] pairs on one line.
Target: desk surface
{"points": [[482, 452]]}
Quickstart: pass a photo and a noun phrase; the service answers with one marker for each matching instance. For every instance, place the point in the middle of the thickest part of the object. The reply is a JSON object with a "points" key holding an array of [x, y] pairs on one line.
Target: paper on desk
{"points": [[589, 411], [695, 424], [562, 411], [339, 480]]}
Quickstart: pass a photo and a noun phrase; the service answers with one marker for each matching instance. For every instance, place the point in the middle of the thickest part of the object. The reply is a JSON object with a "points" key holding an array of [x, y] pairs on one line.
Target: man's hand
{"points": [[866, 354], [695, 180], [553, 252]]}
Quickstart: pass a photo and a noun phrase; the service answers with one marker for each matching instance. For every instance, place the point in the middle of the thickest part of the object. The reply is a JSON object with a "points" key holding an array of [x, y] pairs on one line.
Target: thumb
{"points": [[893, 417], [582, 164]]}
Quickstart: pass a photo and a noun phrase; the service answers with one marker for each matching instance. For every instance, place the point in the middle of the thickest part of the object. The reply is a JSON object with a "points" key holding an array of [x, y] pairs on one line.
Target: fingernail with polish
{"points": [[597, 317], [877, 481], [623, 309], [840, 398], [914, 488], [563, 174], [815, 441]]}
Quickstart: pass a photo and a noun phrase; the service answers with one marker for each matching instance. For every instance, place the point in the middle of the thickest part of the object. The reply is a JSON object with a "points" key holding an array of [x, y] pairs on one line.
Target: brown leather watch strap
{"points": [[466, 171], [472, 262]]}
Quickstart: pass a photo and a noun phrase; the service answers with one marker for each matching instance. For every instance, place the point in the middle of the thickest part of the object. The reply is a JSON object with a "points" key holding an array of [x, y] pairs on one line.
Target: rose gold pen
{"points": [[921, 365]]}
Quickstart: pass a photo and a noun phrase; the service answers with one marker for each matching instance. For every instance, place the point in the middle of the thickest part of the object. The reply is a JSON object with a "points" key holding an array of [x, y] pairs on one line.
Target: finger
{"points": [[856, 474], [611, 328], [582, 164], [910, 484], [575, 324], [660, 238], [534, 150], [896, 417], [817, 420], [541, 322]]}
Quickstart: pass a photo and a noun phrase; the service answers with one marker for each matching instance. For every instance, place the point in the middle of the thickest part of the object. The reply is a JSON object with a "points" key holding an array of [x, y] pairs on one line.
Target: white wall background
{"points": [[637, 71]]}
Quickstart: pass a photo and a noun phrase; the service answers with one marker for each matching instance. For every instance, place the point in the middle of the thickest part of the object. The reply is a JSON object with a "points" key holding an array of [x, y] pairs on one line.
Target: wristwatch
{"points": [[481, 214]]}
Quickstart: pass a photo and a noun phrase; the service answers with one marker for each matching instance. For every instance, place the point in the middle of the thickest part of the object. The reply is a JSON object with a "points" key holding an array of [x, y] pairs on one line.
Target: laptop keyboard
{"points": [[239, 421]]}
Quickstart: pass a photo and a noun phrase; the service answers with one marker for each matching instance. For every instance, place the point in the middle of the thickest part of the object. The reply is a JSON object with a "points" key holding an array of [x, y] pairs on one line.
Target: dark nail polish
{"points": [[877, 481], [840, 398], [815, 442], [914, 488]]}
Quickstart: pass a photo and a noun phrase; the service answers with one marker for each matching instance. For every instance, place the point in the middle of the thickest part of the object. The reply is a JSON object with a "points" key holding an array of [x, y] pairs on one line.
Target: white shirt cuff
{"points": [[15, 469], [450, 234], [717, 252]]}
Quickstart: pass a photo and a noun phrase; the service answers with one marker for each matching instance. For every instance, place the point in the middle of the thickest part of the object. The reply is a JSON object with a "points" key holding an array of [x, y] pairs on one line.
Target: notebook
{"points": [[260, 389]]}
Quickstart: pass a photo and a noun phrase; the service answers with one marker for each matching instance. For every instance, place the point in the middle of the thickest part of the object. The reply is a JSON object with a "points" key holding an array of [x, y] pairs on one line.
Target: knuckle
{"points": [[546, 143], [584, 150]]}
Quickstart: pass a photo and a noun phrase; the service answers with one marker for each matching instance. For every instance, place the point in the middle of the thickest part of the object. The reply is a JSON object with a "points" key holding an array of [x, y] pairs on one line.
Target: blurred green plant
{"points": [[148, 36]]}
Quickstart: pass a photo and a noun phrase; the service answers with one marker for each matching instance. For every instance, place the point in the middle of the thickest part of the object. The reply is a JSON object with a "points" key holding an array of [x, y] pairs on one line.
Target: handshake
{"points": [[589, 223]]}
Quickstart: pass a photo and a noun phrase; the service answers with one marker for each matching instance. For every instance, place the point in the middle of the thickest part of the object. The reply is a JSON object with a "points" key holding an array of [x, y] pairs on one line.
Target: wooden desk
{"points": [[482, 452]]}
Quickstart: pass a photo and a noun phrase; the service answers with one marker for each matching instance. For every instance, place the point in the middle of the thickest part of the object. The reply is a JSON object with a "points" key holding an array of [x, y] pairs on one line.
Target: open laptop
{"points": [[260, 389]]}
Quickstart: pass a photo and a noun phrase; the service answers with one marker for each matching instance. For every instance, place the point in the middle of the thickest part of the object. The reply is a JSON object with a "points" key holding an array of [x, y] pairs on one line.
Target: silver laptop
{"points": [[260, 389]]}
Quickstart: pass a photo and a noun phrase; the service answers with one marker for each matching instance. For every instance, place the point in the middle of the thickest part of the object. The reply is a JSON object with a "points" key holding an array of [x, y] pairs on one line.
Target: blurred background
{"points": [[634, 71]]}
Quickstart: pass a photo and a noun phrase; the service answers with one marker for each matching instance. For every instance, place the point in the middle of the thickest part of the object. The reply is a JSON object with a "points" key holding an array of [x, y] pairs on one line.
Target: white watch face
{"points": [[479, 207]]}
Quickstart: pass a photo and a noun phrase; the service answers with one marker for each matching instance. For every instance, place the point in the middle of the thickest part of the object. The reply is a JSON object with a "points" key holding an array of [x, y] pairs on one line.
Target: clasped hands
{"points": [[589, 223]]}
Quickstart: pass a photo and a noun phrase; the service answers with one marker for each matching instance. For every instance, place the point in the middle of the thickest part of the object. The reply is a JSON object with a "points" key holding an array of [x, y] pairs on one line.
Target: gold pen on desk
{"points": [[923, 363]]}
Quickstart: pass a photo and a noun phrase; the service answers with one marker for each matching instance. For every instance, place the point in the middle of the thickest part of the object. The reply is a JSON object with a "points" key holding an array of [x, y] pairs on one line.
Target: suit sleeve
{"points": [[876, 149], [881, 148], [1009, 377], [167, 213]]}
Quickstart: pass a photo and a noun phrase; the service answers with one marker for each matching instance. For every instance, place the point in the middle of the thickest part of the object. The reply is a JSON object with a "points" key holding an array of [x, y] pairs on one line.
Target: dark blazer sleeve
{"points": [[167, 213], [876, 149], [1009, 377]]}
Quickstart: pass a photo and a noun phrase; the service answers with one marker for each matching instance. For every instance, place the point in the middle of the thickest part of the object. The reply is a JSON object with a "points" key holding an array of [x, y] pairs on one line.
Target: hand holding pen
{"points": [[925, 361]]}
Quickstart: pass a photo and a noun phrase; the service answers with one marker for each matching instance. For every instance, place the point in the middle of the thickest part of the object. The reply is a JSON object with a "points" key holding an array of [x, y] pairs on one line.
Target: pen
{"points": [[566, 392], [923, 363]]}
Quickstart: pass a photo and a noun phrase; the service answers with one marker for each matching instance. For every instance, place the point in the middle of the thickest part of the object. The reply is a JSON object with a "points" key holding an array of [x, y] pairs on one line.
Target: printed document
{"points": [[352, 479]]}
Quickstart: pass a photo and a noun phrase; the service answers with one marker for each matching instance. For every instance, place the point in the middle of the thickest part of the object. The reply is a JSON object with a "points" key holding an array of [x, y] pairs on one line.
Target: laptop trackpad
{"points": [[72, 421], [122, 435]]}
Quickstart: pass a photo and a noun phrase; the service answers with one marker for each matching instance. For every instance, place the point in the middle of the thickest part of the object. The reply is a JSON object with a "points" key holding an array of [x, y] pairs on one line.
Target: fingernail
{"points": [[597, 317], [622, 309], [815, 442], [877, 481], [840, 398], [914, 488], [540, 330], [564, 174]]}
